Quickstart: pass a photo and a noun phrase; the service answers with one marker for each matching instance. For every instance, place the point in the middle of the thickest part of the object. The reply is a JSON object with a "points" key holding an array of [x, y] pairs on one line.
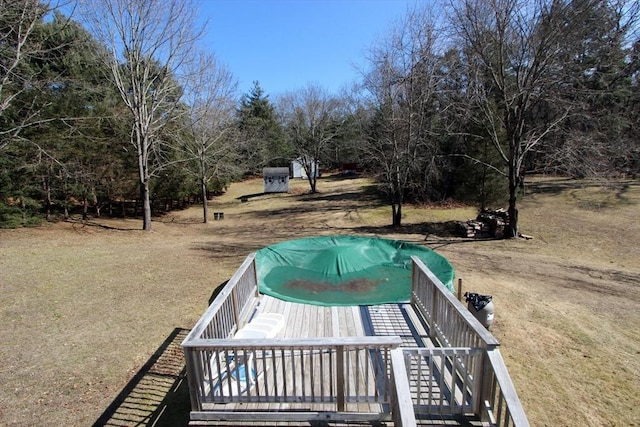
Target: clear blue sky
{"points": [[285, 44]]}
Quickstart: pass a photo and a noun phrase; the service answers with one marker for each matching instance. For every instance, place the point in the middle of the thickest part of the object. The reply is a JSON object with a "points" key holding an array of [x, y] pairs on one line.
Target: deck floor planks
{"points": [[335, 324]]}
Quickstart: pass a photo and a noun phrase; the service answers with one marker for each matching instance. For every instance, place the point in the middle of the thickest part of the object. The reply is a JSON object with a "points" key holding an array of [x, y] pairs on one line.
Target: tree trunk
{"points": [[512, 229], [397, 215], [483, 188], [48, 201], [143, 173], [396, 211], [94, 200], [312, 183], [85, 208], [311, 174], [146, 205], [205, 208]]}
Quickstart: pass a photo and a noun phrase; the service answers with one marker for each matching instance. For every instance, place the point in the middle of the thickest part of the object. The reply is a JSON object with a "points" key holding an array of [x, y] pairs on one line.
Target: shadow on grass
{"points": [[445, 229], [246, 197], [559, 185], [353, 196], [436, 234], [79, 224], [158, 395]]}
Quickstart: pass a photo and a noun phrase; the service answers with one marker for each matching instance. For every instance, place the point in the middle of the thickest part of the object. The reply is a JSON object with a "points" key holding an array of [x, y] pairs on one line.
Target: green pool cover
{"points": [[344, 270]]}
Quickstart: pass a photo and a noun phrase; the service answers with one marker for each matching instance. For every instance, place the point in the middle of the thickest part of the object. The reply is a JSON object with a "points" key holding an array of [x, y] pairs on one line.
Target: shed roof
{"points": [[275, 171]]}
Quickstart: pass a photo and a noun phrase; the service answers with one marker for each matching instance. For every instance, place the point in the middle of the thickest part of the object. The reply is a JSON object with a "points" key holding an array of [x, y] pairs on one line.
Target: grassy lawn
{"points": [[92, 311]]}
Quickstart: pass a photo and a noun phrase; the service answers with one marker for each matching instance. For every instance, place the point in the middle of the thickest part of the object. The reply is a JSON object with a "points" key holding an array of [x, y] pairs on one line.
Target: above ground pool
{"points": [[344, 270]]}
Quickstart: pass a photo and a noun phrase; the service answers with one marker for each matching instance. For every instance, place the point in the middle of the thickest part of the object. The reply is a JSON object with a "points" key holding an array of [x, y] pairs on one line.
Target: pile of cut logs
{"points": [[488, 224]]}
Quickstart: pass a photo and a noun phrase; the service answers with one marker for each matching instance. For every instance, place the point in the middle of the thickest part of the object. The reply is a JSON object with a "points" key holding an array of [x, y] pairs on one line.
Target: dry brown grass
{"points": [[84, 307]]}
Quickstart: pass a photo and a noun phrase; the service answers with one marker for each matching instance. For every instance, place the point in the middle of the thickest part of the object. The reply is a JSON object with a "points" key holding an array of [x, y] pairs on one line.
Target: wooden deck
{"points": [[312, 321], [305, 321], [428, 362]]}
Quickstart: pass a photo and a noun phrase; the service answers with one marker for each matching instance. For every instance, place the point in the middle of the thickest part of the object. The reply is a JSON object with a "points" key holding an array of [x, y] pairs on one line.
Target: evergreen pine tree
{"points": [[263, 136]]}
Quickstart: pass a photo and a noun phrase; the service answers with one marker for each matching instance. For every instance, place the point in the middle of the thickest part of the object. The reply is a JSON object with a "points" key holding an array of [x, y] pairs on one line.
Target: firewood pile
{"points": [[488, 224]]}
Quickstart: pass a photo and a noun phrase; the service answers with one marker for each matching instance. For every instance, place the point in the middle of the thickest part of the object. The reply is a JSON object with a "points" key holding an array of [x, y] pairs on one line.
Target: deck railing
{"points": [[465, 375], [450, 323], [500, 403], [402, 413], [443, 380], [468, 356], [434, 381], [231, 308], [227, 313], [335, 374]]}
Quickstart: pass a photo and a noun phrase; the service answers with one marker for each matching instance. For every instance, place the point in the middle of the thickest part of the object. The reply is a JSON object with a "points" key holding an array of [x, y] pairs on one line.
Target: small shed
{"points": [[276, 180], [298, 171]]}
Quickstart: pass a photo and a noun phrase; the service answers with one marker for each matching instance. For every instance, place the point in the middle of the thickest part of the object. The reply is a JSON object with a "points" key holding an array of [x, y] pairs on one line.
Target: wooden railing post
{"points": [[497, 385], [414, 284], [434, 314], [402, 412], [484, 387], [236, 309], [341, 380], [255, 277], [191, 365]]}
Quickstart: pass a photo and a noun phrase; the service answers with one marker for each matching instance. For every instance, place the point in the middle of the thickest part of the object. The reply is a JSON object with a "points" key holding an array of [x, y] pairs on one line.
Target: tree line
{"points": [[121, 103]]}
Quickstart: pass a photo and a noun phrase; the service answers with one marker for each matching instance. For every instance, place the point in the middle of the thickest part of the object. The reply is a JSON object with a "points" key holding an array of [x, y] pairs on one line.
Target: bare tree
{"points": [[211, 143], [403, 80], [513, 58], [149, 43], [312, 120]]}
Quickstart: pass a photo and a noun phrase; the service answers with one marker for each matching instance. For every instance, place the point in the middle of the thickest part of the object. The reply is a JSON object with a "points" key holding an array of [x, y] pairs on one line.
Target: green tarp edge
{"points": [[344, 270]]}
